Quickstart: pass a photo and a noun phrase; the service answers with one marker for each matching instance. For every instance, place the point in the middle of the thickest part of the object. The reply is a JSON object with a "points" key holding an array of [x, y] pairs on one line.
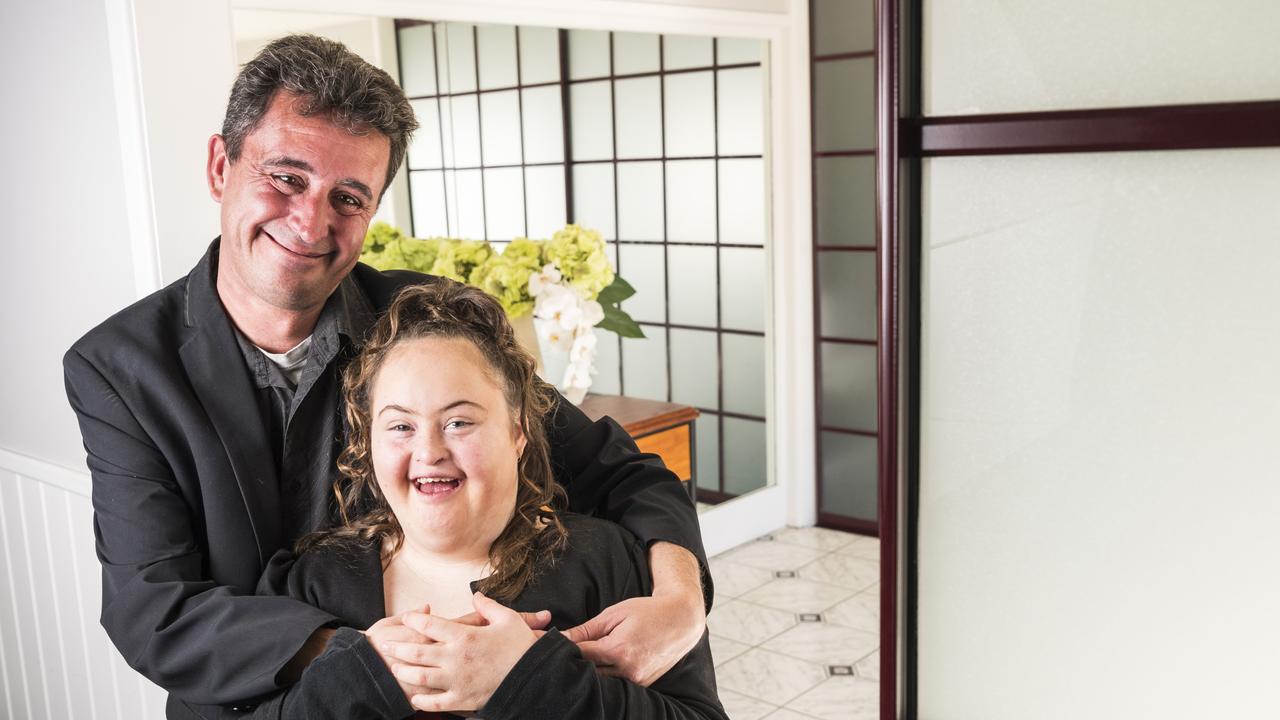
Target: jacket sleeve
{"points": [[199, 640], [553, 680], [607, 476]]}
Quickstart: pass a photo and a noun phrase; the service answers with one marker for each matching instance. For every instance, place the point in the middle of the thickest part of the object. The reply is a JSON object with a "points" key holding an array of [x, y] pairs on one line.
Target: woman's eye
{"points": [[400, 427], [458, 424]]}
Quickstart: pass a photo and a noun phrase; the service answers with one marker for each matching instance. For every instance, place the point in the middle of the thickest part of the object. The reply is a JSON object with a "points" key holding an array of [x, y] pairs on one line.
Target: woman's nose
{"points": [[429, 449]]}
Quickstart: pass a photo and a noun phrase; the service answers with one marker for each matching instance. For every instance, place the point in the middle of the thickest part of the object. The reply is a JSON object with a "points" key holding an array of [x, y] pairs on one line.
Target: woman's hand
{"points": [[392, 631], [465, 663]]}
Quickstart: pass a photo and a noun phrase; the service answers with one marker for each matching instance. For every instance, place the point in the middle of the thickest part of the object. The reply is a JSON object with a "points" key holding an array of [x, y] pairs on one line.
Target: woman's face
{"points": [[445, 445]]}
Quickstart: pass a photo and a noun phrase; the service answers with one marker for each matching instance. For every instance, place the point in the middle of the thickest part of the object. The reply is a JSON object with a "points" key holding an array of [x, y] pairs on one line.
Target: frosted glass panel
{"points": [[496, 45], [844, 104], [465, 125], [743, 202], [417, 60], [500, 127], [639, 125], [642, 266], [694, 361], [746, 465], [849, 475], [686, 51], [849, 386], [731, 51], [644, 364], [690, 108], [458, 56], [742, 288], [846, 197], [593, 198], [640, 201], [634, 53], [743, 373], [741, 112], [992, 56], [608, 378], [591, 106], [588, 54], [707, 431], [539, 55], [426, 197], [504, 203], [543, 124], [692, 274], [843, 26], [544, 192], [1099, 414], [847, 292], [468, 190], [424, 149], [691, 201]]}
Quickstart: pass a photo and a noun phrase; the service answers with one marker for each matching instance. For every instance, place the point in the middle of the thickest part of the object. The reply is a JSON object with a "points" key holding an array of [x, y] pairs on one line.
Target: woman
{"points": [[448, 501]]}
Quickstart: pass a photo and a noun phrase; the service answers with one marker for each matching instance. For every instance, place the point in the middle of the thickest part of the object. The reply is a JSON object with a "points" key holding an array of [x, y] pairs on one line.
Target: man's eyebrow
{"points": [[303, 165]]}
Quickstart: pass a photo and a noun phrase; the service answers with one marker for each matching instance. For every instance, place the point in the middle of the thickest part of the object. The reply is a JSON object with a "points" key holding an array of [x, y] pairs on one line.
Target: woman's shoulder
{"points": [[600, 564]]}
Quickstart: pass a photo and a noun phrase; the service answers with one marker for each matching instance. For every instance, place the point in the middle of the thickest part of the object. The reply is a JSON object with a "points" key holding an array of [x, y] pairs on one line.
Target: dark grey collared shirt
{"points": [[305, 422]]}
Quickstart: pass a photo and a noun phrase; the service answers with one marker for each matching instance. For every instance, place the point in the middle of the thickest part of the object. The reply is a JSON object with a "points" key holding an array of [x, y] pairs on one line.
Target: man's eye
{"points": [[288, 180], [348, 203]]}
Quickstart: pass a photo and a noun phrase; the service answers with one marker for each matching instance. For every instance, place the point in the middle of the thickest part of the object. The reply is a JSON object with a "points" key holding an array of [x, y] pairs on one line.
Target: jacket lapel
{"points": [[213, 362]]}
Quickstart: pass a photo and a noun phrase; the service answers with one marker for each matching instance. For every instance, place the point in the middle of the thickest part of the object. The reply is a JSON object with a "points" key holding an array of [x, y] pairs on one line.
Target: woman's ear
{"points": [[521, 440]]}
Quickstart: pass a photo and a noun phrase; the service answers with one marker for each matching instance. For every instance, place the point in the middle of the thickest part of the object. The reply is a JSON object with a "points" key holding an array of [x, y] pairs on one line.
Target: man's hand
{"points": [[640, 639]]}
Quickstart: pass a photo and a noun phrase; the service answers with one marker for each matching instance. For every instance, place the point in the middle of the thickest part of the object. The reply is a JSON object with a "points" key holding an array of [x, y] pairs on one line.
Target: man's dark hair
{"points": [[330, 80]]}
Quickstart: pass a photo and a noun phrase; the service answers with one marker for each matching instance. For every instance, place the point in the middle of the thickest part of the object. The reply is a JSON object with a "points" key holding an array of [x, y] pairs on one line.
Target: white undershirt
{"points": [[291, 361]]}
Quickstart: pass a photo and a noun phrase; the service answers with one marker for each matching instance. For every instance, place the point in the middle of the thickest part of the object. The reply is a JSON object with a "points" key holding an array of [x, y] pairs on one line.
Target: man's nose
{"points": [[310, 218]]}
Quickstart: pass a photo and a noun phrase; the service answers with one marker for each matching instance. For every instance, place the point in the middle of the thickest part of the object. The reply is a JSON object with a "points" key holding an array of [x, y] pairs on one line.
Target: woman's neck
{"points": [[417, 576]]}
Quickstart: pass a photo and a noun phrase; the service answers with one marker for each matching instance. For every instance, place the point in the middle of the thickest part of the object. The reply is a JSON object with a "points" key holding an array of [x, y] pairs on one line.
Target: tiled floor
{"points": [[795, 627]]}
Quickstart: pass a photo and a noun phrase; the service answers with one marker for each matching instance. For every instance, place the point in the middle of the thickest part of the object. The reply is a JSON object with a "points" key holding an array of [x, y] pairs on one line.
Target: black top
{"points": [[601, 565]]}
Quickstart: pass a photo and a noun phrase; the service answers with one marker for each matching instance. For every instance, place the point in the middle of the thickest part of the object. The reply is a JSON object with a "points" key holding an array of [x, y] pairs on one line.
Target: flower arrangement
{"points": [[566, 283]]}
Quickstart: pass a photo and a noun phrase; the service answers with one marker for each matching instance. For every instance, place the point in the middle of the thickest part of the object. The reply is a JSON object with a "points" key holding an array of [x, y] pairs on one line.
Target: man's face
{"points": [[295, 206]]}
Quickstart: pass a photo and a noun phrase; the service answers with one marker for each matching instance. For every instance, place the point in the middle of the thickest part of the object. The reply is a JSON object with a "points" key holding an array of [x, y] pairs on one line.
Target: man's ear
{"points": [[217, 168]]}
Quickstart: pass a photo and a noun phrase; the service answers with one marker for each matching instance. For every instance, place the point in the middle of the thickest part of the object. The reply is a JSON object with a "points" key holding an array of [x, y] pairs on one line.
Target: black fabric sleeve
{"points": [[552, 680], [159, 606]]}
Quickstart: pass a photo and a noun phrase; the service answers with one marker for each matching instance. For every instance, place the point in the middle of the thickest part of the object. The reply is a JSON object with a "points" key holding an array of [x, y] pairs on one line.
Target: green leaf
{"points": [[617, 291], [617, 321]]}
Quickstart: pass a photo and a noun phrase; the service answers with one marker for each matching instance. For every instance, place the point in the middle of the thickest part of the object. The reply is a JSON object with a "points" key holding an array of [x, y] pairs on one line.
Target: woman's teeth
{"points": [[431, 486]]}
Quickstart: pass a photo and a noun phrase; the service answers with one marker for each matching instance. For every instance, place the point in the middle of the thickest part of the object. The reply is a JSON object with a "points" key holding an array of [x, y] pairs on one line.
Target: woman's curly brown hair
{"points": [[447, 309]]}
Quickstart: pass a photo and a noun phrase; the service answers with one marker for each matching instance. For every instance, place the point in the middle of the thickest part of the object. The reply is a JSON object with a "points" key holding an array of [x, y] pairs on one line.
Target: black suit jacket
{"points": [[187, 505]]}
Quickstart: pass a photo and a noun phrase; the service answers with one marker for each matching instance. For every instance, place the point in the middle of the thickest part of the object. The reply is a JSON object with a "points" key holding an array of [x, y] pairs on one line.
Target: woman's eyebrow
{"points": [[457, 403], [398, 408]]}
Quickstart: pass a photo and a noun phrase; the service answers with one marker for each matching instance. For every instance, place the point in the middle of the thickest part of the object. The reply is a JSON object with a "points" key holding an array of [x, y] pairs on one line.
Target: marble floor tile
{"points": [[772, 555], [843, 570], [769, 676], [815, 537], [869, 667], [824, 643], [796, 595], [862, 547], [785, 714], [741, 707], [732, 579], [862, 612], [723, 649], [841, 698], [748, 623]]}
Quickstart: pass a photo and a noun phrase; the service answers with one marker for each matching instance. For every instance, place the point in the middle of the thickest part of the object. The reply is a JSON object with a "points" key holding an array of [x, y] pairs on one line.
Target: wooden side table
{"points": [[664, 429]]}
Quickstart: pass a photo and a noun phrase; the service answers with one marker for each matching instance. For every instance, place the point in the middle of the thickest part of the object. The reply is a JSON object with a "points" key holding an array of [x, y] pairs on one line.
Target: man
{"points": [[210, 410]]}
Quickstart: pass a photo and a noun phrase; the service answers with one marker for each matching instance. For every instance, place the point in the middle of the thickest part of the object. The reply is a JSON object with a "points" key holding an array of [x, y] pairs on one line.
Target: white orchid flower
{"points": [[548, 276]]}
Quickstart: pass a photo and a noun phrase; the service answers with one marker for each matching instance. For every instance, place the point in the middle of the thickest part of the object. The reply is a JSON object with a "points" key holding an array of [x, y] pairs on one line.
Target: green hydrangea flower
{"points": [[580, 255], [461, 259]]}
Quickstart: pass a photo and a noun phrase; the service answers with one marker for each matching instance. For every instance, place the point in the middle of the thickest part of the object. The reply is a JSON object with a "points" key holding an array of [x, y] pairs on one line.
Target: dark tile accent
{"points": [[784, 573], [809, 617], [834, 670]]}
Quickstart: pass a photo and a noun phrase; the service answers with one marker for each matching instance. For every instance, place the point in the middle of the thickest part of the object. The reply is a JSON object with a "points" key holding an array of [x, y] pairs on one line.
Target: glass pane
{"points": [[849, 386], [990, 56], [543, 124], [469, 193], [744, 386], [504, 203], [691, 201], [844, 104], [686, 51], [500, 127], [640, 201], [644, 364], [746, 461], [593, 197], [694, 363], [459, 57], [426, 197], [643, 267], [691, 272], [608, 380], [741, 112], [846, 198], [847, 292], [417, 50], [743, 202], [544, 193], [849, 485], [742, 288], [634, 53], [496, 45], [731, 51], [591, 106], [424, 149], [588, 54], [706, 430], [841, 26], [690, 114], [639, 126], [451, 201], [539, 55], [465, 125]]}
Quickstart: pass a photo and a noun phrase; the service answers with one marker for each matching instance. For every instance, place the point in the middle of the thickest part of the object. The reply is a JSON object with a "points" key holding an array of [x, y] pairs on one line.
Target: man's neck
{"points": [[268, 327]]}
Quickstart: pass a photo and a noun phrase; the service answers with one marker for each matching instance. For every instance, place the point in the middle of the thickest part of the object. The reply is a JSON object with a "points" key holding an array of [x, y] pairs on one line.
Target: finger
{"points": [[593, 629], [598, 652], [432, 627], [397, 633], [438, 702], [491, 609], [412, 653], [537, 620], [473, 619], [423, 677]]}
